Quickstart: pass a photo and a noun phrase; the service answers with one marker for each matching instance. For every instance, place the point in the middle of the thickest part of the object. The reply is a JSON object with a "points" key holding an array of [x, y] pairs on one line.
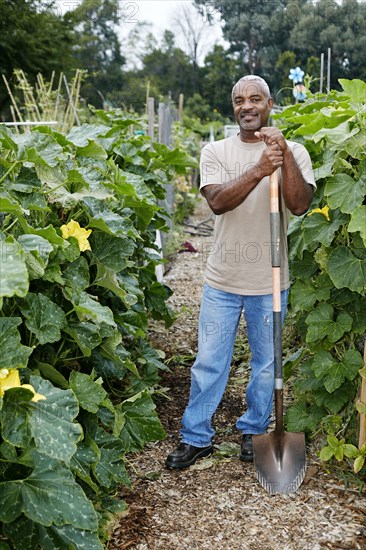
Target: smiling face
{"points": [[252, 104]]}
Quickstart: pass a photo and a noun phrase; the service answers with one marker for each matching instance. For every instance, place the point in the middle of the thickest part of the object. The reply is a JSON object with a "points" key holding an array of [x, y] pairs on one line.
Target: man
{"points": [[235, 182]]}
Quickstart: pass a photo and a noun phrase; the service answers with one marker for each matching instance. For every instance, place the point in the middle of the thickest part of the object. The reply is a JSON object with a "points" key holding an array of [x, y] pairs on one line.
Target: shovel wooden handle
{"points": [[276, 277], [276, 293]]}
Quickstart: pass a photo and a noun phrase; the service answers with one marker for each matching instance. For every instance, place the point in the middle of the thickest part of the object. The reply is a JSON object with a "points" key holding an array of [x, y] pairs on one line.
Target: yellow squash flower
{"points": [[324, 211], [10, 379], [73, 229]]}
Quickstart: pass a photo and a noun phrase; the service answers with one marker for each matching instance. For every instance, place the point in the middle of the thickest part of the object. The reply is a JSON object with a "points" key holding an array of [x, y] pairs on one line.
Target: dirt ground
{"points": [[218, 504]]}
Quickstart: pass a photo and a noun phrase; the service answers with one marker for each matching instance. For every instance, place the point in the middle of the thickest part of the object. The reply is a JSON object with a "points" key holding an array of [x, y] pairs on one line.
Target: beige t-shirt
{"points": [[239, 257]]}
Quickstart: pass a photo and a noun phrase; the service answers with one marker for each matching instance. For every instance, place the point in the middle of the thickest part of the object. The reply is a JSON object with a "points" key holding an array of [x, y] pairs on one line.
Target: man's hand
{"points": [[296, 192], [273, 156], [272, 136]]}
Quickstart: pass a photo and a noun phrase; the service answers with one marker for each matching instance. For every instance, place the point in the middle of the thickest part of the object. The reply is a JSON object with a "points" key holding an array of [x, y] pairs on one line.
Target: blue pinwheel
{"points": [[296, 75], [299, 92]]}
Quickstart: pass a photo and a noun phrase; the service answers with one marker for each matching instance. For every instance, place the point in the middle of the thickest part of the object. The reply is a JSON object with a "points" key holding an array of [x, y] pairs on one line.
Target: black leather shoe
{"points": [[185, 455], [246, 451]]}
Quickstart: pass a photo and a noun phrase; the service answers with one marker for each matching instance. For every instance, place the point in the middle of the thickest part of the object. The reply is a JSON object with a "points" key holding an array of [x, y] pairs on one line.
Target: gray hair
{"points": [[251, 78]]}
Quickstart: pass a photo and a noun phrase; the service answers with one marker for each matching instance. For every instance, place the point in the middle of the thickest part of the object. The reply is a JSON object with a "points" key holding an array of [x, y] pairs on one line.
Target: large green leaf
{"points": [[338, 134], [31, 201], [151, 356], [318, 229], [108, 278], [27, 535], [15, 414], [355, 89], [12, 353], [54, 430], [336, 400], [89, 309], [141, 422], [111, 251], [332, 372], [90, 394], [358, 222], [114, 224], [356, 146], [346, 270], [7, 139], [75, 181], [49, 495], [304, 294], [50, 422], [43, 317], [36, 243], [82, 135], [136, 194], [77, 274], [109, 221], [322, 324], [14, 279], [112, 349], [9, 204], [302, 417], [105, 367], [306, 381], [296, 238], [93, 150], [110, 470], [133, 323], [52, 374], [131, 284], [86, 335], [40, 149], [37, 251], [304, 268], [155, 298], [82, 461], [345, 193], [49, 233], [174, 157]]}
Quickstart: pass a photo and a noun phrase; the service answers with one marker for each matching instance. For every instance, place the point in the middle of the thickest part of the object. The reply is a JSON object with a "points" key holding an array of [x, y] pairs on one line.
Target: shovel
{"points": [[279, 457]]}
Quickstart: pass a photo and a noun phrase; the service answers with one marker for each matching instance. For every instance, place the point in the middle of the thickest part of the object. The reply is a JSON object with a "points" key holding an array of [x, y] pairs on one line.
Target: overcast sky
{"points": [[160, 13]]}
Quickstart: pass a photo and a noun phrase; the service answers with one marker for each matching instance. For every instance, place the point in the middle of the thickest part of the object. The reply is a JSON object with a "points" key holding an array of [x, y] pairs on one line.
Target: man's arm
{"points": [[297, 193], [227, 196]]}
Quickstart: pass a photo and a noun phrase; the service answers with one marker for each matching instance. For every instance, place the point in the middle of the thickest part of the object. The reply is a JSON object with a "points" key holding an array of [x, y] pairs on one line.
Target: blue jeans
{"points": [[218, 324]]}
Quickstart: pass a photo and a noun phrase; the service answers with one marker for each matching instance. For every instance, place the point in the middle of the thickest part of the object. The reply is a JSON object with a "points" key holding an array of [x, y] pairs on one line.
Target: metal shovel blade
{"points": [[280, 461]]}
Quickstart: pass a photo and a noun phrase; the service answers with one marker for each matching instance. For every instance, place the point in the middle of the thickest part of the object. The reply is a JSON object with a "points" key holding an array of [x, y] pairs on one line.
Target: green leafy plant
{"points": [[328, 263], [79, 219], [339, 449]]}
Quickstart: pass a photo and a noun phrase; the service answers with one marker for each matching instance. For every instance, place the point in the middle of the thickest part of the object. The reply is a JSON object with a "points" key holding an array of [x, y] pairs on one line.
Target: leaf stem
{"points": [[9, 171], [11, 225], [132, 466], [73, 358], [58, 352], [57, 187]]}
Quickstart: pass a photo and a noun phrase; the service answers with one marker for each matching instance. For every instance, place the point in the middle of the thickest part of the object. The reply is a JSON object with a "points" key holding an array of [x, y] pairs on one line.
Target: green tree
{"points": [[169, 68], [33, 37], [250, 27], [285, 60], [341, 27], [97, 48], [220, 70], [261, 32]]}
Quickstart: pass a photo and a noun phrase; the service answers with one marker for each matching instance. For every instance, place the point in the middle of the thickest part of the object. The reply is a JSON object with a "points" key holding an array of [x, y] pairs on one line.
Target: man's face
{"points": [[251, 105]]}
